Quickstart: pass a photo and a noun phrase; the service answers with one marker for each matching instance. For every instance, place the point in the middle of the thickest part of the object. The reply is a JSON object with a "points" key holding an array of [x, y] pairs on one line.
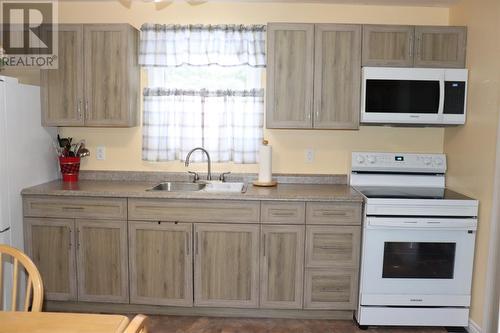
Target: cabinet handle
{"points": [[283, 213], [73, 208], [264, 244], [418, 47], [87, 116], [410, 47], [79, 109], [196, 243], [78, 238], [334, 213], [70, 243], [187, 243]]}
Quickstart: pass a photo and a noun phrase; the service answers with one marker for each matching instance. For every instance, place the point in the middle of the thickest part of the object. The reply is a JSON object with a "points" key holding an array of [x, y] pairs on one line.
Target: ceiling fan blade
{"points": [[196, 2], [162, 4], [126, 3]]}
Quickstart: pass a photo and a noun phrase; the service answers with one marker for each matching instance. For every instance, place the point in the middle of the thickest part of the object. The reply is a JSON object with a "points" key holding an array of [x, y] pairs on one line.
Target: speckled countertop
{"points": [[138, 189]]}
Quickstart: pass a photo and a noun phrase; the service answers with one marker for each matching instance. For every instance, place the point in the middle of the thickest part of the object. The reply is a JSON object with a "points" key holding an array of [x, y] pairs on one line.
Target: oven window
{"points": [[410, 260], [402, 96]]}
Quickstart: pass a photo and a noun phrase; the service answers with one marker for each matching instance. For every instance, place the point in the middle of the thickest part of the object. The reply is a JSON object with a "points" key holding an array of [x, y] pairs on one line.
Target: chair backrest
{"points": [[137, 325], [34, 287]]}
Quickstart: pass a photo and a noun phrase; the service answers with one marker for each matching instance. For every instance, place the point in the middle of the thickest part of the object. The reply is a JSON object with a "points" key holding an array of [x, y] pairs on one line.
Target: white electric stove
{"points": [[418, 242]]}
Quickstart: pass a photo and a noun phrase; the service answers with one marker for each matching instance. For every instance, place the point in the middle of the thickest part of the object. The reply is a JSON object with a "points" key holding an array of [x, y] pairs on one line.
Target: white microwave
{"points": [[413, 96]]}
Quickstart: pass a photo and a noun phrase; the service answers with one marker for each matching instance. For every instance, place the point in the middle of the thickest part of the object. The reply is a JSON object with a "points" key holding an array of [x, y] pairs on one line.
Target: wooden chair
{"points": [[34, 286], [137, 325]]}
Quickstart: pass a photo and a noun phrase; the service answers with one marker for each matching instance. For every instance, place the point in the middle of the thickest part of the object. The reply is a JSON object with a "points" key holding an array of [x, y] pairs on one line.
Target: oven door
{"points": [[417, 261], [402, 95]]}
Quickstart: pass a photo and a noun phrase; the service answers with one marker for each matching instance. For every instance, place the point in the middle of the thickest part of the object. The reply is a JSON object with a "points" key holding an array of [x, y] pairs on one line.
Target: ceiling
{"points": [[422, 3]]}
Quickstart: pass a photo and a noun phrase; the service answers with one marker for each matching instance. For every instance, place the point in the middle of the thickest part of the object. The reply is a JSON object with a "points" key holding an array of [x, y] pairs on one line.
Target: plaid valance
{"points": [[202, 45]]}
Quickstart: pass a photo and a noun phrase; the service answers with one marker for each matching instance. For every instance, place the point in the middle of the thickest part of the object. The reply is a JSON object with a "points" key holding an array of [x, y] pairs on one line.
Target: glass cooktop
{"points": [[393, 192]]}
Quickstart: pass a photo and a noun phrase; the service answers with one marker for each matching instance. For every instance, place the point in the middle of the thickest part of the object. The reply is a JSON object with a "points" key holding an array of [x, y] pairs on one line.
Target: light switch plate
{"points": [[309, 155], [100, 153]]}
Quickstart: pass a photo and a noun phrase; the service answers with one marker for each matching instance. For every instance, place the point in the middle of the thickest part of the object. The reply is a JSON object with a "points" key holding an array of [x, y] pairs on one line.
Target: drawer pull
{"points": [[73, 208], [330, 290], [333, 213], [326, 247], [283, 213]]}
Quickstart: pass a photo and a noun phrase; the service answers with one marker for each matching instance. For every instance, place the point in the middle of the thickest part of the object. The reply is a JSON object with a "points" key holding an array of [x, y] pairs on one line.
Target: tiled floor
{"points": [[177, 324]]}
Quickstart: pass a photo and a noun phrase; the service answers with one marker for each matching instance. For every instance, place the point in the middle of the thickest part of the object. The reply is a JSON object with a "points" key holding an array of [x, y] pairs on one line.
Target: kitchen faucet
{"points": [[209, 172]]}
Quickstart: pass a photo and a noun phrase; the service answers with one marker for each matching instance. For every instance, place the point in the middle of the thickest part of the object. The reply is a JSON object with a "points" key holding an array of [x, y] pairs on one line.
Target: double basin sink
{"points": [[211, 187]]}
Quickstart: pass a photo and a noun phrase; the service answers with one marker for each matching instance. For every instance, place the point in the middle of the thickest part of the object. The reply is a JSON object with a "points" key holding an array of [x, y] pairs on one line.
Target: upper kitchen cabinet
{"points": [[440, 46], [414, 46], [313, 73], [290, 69], [388, 45], [337, 75], [62, 88], [97, 82]]}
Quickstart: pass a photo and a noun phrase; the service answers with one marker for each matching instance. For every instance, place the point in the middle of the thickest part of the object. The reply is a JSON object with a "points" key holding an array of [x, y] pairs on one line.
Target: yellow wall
{"points": [[471, 149], [332, 148]]}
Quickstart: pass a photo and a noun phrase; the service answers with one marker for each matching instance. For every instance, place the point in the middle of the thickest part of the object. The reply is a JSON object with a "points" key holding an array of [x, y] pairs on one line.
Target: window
{"points": [[204, 89]]}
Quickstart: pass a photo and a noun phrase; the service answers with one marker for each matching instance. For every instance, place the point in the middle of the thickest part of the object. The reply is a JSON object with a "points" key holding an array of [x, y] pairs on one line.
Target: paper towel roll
{"points": [[265, 163]]}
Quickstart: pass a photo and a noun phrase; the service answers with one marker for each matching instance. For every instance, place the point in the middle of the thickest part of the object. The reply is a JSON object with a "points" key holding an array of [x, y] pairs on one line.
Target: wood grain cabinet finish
{"points": [[161, 266], [283, 212], [97, 81], [50, 244], [440, 46], [62, 88], [290, 70], [333, 289], [102, 261], [337, 76], [313, 73], [194, 210], [226, 265], [388, 45], [80, 207], [111, 75], [339, 213], [282, 266], [337, 246]]}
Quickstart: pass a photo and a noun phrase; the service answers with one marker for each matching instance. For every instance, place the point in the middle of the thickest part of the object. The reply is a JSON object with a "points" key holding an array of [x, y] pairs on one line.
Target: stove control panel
{"points": [[398, 162]]}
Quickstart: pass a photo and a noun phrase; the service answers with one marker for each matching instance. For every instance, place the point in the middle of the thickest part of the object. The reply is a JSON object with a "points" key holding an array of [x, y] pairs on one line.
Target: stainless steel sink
{"points": [[178, 187]]}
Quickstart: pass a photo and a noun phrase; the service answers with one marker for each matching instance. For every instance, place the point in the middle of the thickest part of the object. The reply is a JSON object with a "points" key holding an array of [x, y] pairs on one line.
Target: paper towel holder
{"points": [[265, 184]]}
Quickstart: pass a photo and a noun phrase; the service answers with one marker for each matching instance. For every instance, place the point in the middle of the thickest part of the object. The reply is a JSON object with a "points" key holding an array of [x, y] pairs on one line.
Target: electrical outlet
{"points": [[309, 155], [100, 153]]}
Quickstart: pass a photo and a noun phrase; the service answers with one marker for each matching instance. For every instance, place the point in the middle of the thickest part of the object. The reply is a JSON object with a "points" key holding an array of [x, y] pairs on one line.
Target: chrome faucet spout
{"points": [[209, 168]]}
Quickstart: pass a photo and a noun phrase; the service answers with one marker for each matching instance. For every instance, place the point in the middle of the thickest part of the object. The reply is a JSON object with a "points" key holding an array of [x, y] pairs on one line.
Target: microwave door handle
{"points": [[441, 96]]}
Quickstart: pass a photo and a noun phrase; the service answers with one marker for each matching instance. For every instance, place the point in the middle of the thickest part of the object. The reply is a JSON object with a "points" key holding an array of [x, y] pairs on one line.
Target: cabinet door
{"points": [[440, 46], [50, 244], [62, 88], [388, 45], [161, 267], [337, 74], [290, 57], [102, 261], [226, 265], [282, 266], [109, 65]]}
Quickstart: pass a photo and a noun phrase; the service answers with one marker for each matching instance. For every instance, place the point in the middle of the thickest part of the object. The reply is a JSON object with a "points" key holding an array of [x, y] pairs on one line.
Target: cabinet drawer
{"points": [[57, 206], [339, 213], [194, 210], [331, 289], [283, 212], [332, 246]]}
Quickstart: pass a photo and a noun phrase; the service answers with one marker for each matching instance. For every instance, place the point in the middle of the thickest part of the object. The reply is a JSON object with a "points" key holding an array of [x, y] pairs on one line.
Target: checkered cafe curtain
{"points": [[227, 122]]}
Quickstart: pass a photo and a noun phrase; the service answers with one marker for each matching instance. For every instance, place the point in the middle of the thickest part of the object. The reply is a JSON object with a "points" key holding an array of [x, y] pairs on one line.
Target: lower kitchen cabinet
{"points": [[282, 266], [50, 244], [161, 266], [226, 265], [102, 261], [334, 289]]}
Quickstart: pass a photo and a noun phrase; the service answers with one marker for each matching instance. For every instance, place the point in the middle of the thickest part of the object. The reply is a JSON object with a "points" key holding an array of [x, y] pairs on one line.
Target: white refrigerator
{"points": [[27, 157]]}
